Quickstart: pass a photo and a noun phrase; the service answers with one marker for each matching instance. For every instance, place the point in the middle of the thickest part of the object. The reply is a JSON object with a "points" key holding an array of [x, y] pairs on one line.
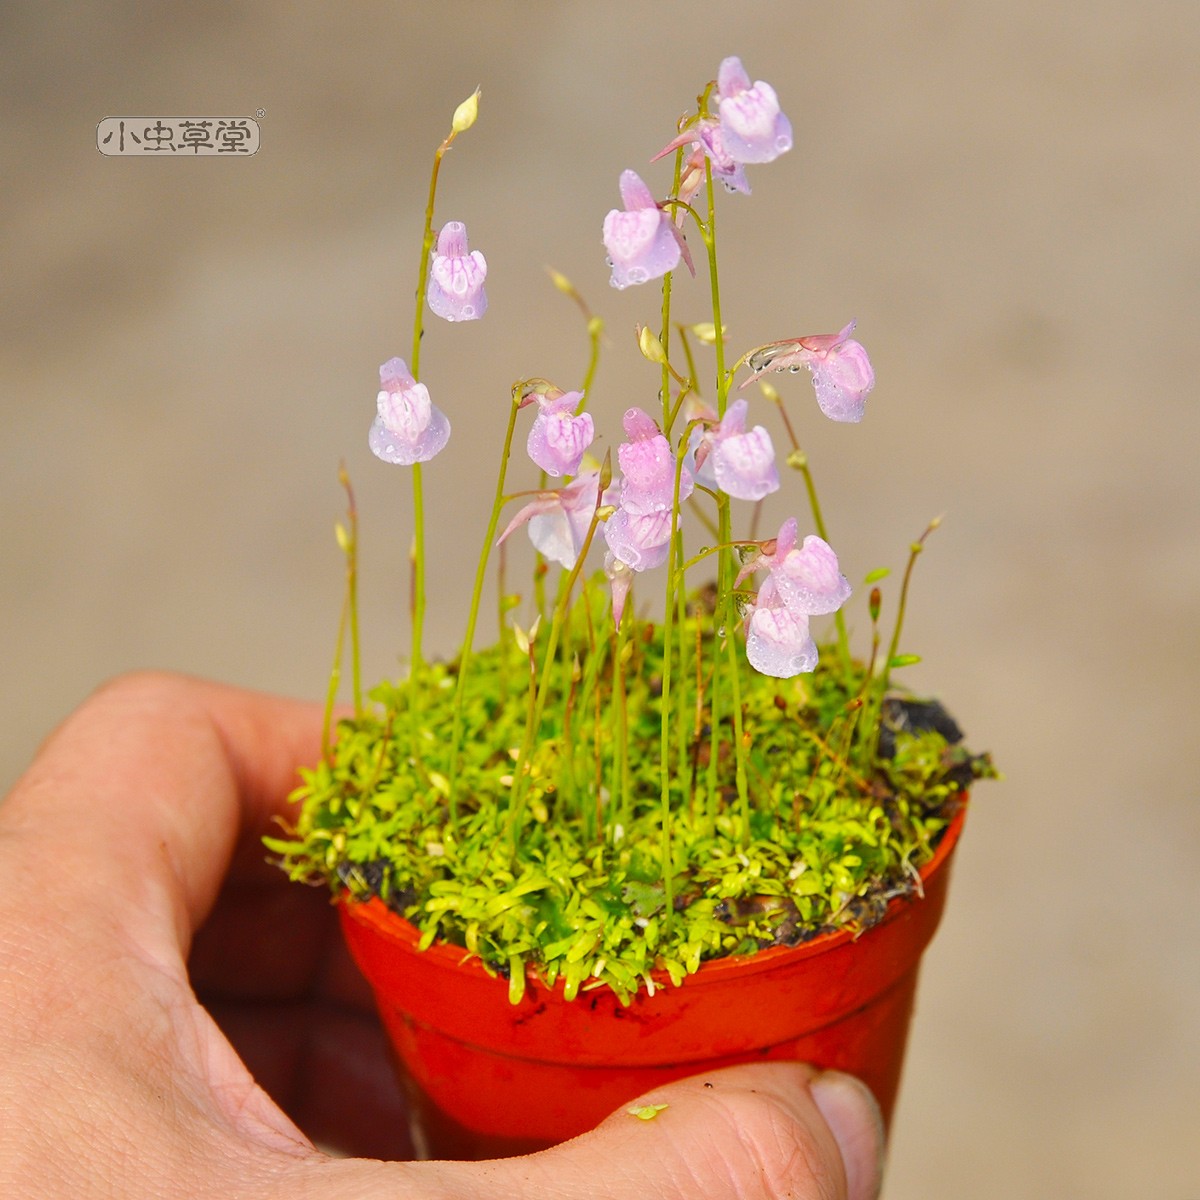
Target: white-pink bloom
{"points": [[800, 583], [648, 466], [408, 427], [559, 520], [639, 532], [842, 374], [558, 437], [642, 241], [808, 579], [743, 461], [778, 641], [456, 276], [753, 129], [640, 540]]}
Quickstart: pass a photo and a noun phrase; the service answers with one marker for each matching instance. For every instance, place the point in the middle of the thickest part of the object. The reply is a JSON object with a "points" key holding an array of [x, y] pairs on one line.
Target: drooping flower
{"points": [[753, 129], [456, 276], [620, 579], [841, 371], [639, 532], [743, 462], [801, 583], [408, 427], [559, 520], [641, 240], [558, 437]]}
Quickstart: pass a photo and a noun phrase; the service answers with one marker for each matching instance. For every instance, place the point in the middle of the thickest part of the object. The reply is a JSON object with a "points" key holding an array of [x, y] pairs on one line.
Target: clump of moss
{"points": [[598, 873]]}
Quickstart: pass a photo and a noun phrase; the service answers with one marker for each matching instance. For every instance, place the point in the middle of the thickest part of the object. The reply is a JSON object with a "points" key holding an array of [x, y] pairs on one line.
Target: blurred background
{"points": [[1003, 195]]}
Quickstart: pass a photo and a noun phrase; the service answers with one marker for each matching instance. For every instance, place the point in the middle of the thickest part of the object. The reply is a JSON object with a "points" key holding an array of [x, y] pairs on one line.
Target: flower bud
{"points": [[465, 113]]}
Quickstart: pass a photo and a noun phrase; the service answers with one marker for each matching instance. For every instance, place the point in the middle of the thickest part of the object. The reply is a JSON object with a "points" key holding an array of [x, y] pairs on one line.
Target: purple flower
{"points": [[642, 241], [753, 130], [841, 371], [800, 583], [456, 276], [559, 437], [639, 532], [743, 463], [559, 520], [408, 428]]}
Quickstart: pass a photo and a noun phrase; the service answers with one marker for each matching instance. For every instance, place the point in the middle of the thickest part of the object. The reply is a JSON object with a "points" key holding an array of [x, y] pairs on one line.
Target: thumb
{"points": [[765, 1130]]}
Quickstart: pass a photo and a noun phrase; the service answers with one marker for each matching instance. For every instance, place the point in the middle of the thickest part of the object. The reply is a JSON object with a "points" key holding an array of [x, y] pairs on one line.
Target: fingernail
{"points": [[852, 1114]]}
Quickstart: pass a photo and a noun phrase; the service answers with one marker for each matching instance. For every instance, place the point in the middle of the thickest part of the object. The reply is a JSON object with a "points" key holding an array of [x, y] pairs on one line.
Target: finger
{"points": [[755, 1132], [137, 803]]}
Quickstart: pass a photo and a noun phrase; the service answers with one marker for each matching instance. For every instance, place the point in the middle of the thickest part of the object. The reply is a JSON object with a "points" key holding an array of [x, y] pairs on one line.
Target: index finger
{"points": [[138, 801]]}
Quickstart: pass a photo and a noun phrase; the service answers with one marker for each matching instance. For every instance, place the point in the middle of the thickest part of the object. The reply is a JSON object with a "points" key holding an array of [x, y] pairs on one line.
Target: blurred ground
{"points": [[1003, 194]]}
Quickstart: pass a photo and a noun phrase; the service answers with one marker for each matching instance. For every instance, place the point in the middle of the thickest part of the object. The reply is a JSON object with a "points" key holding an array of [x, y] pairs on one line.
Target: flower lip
{"points": [[456, 276], [641, 240], [408, 427], [754, 129]]}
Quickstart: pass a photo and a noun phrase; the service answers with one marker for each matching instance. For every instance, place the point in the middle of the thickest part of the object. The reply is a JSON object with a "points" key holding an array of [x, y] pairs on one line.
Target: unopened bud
{"points": [[874, 603], [769, 392], [797, 460], [561, 282], [465, 113], [650, 346]]}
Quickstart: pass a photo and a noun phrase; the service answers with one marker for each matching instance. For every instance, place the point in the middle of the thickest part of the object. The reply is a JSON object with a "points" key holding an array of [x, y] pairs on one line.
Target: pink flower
{"points": [[559, 437], [753, 129], [408, 428], [743, 463], [559, 520], [778, 641], [642, 241], [648, 466], [800, 583], [456, 276], [639, 532], [841, 371]]}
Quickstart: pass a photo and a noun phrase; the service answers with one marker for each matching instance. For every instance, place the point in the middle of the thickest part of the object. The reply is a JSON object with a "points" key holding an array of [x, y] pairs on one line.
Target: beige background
{"points": [[1005, 196]]}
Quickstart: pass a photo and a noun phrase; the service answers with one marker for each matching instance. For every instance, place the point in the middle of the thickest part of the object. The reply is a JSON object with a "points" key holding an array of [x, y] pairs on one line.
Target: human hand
{"points": [[165, 996]]}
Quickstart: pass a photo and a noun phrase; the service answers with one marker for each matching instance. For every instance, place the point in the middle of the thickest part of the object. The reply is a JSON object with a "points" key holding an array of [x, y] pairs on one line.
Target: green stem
{"points": [[476, 600], [534, 719], [725, 570]]}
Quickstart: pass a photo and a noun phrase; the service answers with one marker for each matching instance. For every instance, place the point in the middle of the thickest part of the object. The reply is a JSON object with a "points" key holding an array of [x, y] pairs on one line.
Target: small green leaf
{"points": [[646, 1112], [876, 575], [903, 660]]}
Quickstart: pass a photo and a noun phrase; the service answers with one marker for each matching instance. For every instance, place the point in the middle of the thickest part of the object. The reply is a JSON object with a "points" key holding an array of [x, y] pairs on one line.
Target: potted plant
{"points": [[638, 836]]}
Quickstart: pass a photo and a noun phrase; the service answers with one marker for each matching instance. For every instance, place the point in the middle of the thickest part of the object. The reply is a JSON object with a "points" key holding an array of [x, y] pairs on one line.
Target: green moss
{"points": [[572, 882]]}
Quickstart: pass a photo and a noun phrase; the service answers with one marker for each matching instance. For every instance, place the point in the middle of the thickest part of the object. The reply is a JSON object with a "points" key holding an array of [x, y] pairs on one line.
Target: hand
{"points": [[131, 872]]}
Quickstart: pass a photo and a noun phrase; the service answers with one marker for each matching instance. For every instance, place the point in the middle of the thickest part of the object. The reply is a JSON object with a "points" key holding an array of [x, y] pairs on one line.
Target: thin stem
{"points": [[476, 599], [351, 551], [534, 719], [725, 569]]}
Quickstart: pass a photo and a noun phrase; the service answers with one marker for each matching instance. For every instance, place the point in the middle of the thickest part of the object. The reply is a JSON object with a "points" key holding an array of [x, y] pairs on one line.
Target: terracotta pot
{"points": [[488, 1078]]}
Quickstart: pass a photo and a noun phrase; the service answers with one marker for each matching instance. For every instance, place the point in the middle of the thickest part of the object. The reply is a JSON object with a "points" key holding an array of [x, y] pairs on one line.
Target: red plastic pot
{"points": [[488, 1078]]}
